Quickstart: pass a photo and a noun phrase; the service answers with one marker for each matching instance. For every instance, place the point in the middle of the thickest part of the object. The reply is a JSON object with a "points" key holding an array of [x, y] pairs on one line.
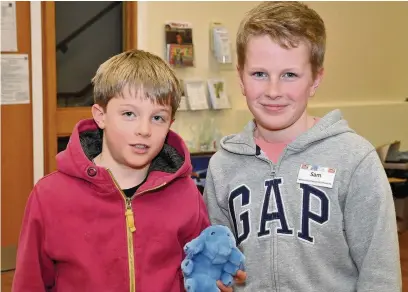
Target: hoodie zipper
{"points": [[130, 228], [274, 170], [149, 190]]}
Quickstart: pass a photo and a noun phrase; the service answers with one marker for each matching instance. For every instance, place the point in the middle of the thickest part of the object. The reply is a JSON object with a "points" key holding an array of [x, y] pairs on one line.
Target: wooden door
{"points": [[16, 152], [60, 121]]}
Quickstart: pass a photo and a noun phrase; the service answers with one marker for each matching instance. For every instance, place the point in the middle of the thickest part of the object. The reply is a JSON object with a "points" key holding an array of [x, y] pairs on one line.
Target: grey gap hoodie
{"points": [[302, 237]]}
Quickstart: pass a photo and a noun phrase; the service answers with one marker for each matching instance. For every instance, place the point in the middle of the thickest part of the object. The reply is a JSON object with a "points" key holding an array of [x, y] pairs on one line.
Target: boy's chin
{"points": [[138, 163], [274, 124]]}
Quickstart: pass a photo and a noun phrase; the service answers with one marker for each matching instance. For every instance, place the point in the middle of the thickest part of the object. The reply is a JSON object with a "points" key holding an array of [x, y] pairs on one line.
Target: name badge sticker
{"points": [[316, 175]]}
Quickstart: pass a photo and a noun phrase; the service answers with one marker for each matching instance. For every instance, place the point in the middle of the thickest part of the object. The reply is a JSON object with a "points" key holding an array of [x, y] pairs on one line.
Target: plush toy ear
{"points": [[194, 247]]}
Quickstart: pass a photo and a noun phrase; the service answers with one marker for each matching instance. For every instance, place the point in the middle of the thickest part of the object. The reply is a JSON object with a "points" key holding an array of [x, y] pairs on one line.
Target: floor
{"points": [[7, 277]]}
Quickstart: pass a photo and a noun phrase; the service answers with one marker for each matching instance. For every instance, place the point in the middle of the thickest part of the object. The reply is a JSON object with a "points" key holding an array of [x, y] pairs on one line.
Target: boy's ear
{"points": [[316, 82], [241, 84], [98, 114]]}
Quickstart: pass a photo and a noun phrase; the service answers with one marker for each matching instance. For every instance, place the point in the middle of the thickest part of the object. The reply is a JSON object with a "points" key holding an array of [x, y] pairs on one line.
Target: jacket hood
{"points": [[330, 125], [85, 144]]}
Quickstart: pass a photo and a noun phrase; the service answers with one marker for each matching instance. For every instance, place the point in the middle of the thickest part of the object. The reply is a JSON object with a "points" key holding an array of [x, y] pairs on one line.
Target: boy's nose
{"points": [[273, 90], [144, 128]]}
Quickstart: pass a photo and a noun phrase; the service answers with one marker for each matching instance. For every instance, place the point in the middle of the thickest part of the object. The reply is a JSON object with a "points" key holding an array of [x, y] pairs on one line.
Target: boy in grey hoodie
{"points": [[307, 198]]}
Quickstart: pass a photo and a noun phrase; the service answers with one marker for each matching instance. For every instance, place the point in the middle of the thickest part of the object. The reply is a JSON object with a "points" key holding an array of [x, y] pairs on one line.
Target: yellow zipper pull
{"points": [[130, 219]]}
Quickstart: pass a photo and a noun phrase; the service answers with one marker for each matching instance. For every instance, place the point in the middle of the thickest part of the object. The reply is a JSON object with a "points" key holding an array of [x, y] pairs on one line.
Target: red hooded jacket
{"points": [[81, 234]]}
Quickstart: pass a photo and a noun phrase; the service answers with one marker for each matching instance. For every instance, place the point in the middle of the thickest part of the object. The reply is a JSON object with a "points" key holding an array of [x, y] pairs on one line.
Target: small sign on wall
{"points": [[218, 94], [15, 79], [179, 44], [8, 26]]}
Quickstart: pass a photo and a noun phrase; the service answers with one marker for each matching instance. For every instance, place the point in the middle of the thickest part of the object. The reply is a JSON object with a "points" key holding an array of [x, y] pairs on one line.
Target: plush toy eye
{"points": [[212, 233], [228, 235]]}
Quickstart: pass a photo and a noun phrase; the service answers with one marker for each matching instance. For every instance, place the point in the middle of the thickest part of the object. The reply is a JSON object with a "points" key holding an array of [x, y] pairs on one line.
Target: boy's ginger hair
{"points": [[137, 70], [286, 23]]}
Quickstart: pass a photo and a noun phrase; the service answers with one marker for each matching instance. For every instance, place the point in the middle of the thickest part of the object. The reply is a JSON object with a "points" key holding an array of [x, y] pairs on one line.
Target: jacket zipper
{"points": [[130, 224], [274, 171], [149, 190], [130, 228]]}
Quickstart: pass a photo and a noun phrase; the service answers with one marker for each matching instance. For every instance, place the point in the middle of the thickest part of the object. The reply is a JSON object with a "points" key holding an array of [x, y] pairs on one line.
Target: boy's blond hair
{"points": [[287, 23], [137, 70]]}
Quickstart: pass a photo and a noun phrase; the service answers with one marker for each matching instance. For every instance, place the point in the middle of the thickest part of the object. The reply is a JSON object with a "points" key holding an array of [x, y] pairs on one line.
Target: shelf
{"points": [[206, 153]]}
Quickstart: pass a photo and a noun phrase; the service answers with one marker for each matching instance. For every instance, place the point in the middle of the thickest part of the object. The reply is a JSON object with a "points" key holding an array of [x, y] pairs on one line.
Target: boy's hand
{"points": [[239, 279]]}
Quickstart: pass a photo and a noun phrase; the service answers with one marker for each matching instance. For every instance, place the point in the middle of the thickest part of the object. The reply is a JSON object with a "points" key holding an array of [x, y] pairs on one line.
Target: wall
{"points": [[366, 55], [363, 88], [365, 63]]}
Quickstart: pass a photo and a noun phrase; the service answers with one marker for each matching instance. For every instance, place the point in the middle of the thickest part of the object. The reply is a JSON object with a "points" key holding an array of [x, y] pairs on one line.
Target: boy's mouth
{"points": [[140, 146], [274, 107]]}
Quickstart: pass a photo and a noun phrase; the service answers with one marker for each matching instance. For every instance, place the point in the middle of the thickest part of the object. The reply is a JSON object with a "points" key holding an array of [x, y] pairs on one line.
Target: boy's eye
{"points": [[259, 74], [289, 75], [158, 119], [128, 114]]}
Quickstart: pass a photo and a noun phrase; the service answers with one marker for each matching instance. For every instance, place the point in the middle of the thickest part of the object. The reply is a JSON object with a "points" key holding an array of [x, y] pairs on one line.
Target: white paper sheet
{"points": [[8, 26], [15, 82], [222, 45], [196, 92], [218, 94]]}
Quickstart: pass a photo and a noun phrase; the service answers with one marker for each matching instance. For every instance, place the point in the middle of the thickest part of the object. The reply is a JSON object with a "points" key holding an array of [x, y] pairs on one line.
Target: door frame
{"points": [[59, 122]]}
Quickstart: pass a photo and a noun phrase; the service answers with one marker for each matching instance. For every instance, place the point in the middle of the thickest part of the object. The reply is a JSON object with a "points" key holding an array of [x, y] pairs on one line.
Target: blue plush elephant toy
{"points": [[210, 257]]}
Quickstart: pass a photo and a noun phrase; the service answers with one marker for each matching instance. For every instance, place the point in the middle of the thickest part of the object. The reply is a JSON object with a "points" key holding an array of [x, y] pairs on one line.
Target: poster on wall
{"points": [[179, 44], [8, 26], [15, 82], [196, 93], [218, 94]]}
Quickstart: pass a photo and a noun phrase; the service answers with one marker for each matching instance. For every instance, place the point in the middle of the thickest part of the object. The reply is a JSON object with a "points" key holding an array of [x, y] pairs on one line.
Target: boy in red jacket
{"points": [[117, 213]]}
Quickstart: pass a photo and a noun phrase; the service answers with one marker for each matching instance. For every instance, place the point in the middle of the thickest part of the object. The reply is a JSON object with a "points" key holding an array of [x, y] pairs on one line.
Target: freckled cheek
{"points": [[123, 131], [156, 143], [252, 96], [159, 132], [253, 90], [299, 95], [159, 142], [117, 137]]}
